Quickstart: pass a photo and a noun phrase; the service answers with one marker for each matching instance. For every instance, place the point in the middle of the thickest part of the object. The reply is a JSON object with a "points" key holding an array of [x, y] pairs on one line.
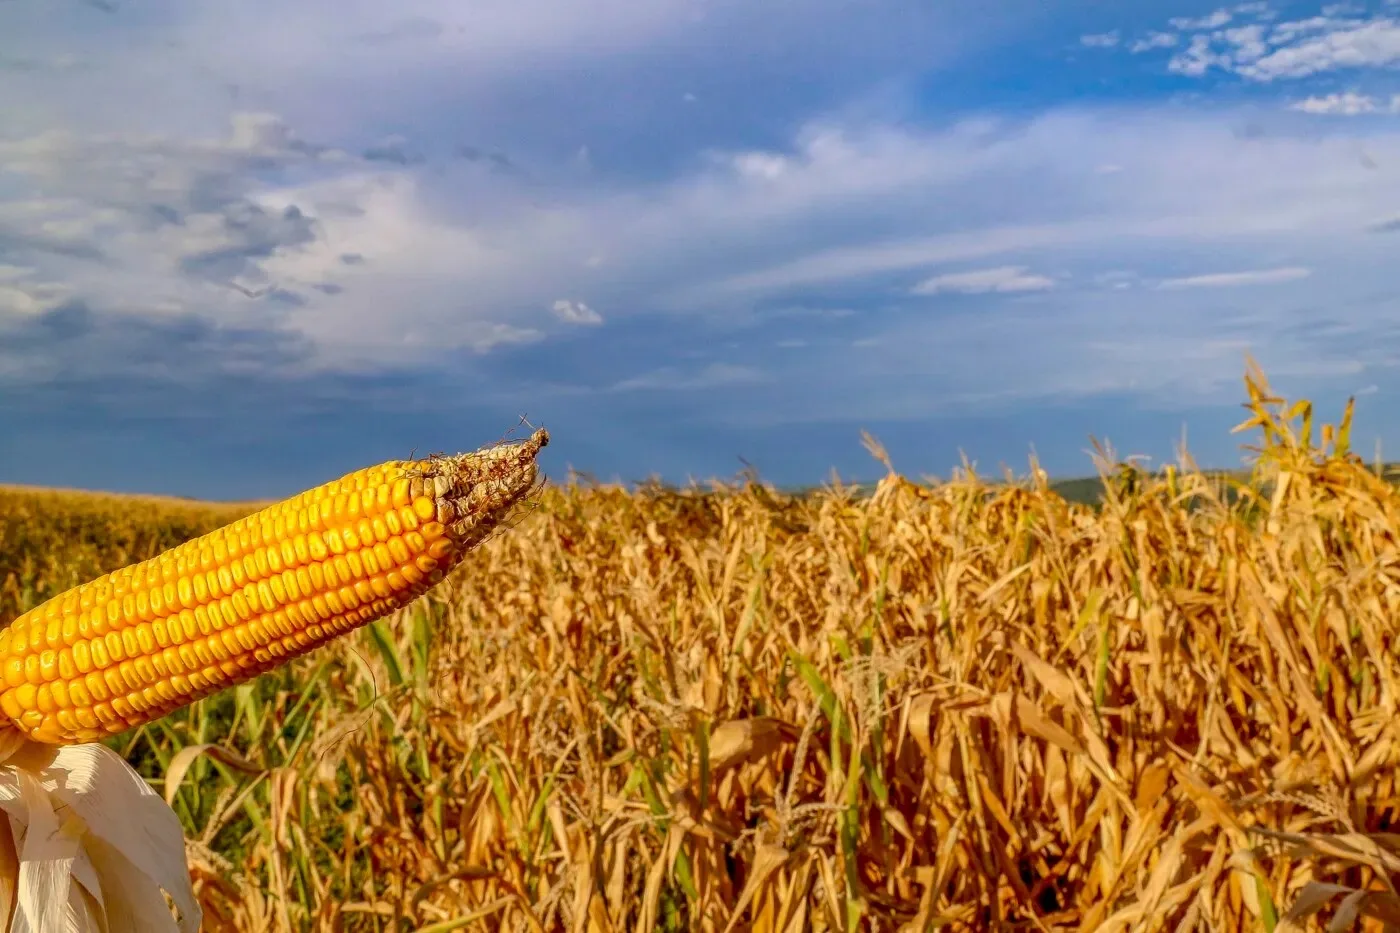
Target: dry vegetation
{"points": [[53, 539], [954, 706]]}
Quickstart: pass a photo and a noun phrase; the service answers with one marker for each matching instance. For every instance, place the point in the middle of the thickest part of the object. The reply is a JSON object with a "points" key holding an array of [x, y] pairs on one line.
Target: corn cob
{"points": [[135, 644]]}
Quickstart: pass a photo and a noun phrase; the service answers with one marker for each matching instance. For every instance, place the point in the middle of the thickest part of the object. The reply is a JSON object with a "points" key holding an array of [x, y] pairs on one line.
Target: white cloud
{"points": [[1198, 58], [1261, 50], [1119, 279], [998, 279], [450, 282], [1249, 42], [1347, 103], [1189, 180], [1231, 279], [31, 299], [576, 312], [760, 165], [1154, 40], [1371, 44], [1101, 40], [1210, 21]]}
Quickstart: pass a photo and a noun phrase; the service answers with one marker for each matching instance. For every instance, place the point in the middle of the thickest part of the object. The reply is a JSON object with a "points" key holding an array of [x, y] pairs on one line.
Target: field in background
{"points": [[955, 707]]}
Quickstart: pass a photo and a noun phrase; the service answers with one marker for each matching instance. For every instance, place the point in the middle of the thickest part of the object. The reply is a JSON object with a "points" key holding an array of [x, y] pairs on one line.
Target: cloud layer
{"points": [[680, 226]]}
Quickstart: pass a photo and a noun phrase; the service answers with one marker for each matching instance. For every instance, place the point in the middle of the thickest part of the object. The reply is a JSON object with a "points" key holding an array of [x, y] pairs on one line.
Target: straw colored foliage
{"points": [[954, 706]]}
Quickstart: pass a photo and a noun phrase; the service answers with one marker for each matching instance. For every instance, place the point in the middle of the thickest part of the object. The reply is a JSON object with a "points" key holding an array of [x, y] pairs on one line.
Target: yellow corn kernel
{"points": [[128, 647]]}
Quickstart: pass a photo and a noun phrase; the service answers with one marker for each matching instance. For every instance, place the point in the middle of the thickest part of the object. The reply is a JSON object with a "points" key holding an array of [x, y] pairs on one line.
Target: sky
{"points": [[248, 247]]}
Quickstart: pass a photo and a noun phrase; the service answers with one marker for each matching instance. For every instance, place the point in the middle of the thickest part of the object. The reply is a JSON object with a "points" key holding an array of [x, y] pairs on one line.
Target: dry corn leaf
{"points": [[1313, 897], [768, 859], [181, 761], [741, 740], [1351, 847]]}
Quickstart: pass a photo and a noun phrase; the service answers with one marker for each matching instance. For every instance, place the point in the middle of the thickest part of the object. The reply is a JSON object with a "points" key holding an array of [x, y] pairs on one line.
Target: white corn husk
{"points": [[88, 846]]}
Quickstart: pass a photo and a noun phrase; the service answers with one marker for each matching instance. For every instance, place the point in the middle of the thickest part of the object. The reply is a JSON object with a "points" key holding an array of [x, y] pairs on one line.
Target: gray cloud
{"points": [[239, 234], [186, 202], [74, 346], [495, 160], [393, 150]]}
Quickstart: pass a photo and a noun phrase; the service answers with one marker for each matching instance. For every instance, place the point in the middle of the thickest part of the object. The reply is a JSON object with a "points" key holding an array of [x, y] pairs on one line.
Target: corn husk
{"points": [[87, 846]]}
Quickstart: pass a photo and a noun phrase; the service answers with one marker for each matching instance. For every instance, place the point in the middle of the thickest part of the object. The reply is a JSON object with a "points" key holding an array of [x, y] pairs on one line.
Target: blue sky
{"points": [[246, 247]]}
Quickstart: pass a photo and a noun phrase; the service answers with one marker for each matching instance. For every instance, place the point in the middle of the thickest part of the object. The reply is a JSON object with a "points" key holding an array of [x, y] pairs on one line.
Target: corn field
{"points": [[957, 706]]}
